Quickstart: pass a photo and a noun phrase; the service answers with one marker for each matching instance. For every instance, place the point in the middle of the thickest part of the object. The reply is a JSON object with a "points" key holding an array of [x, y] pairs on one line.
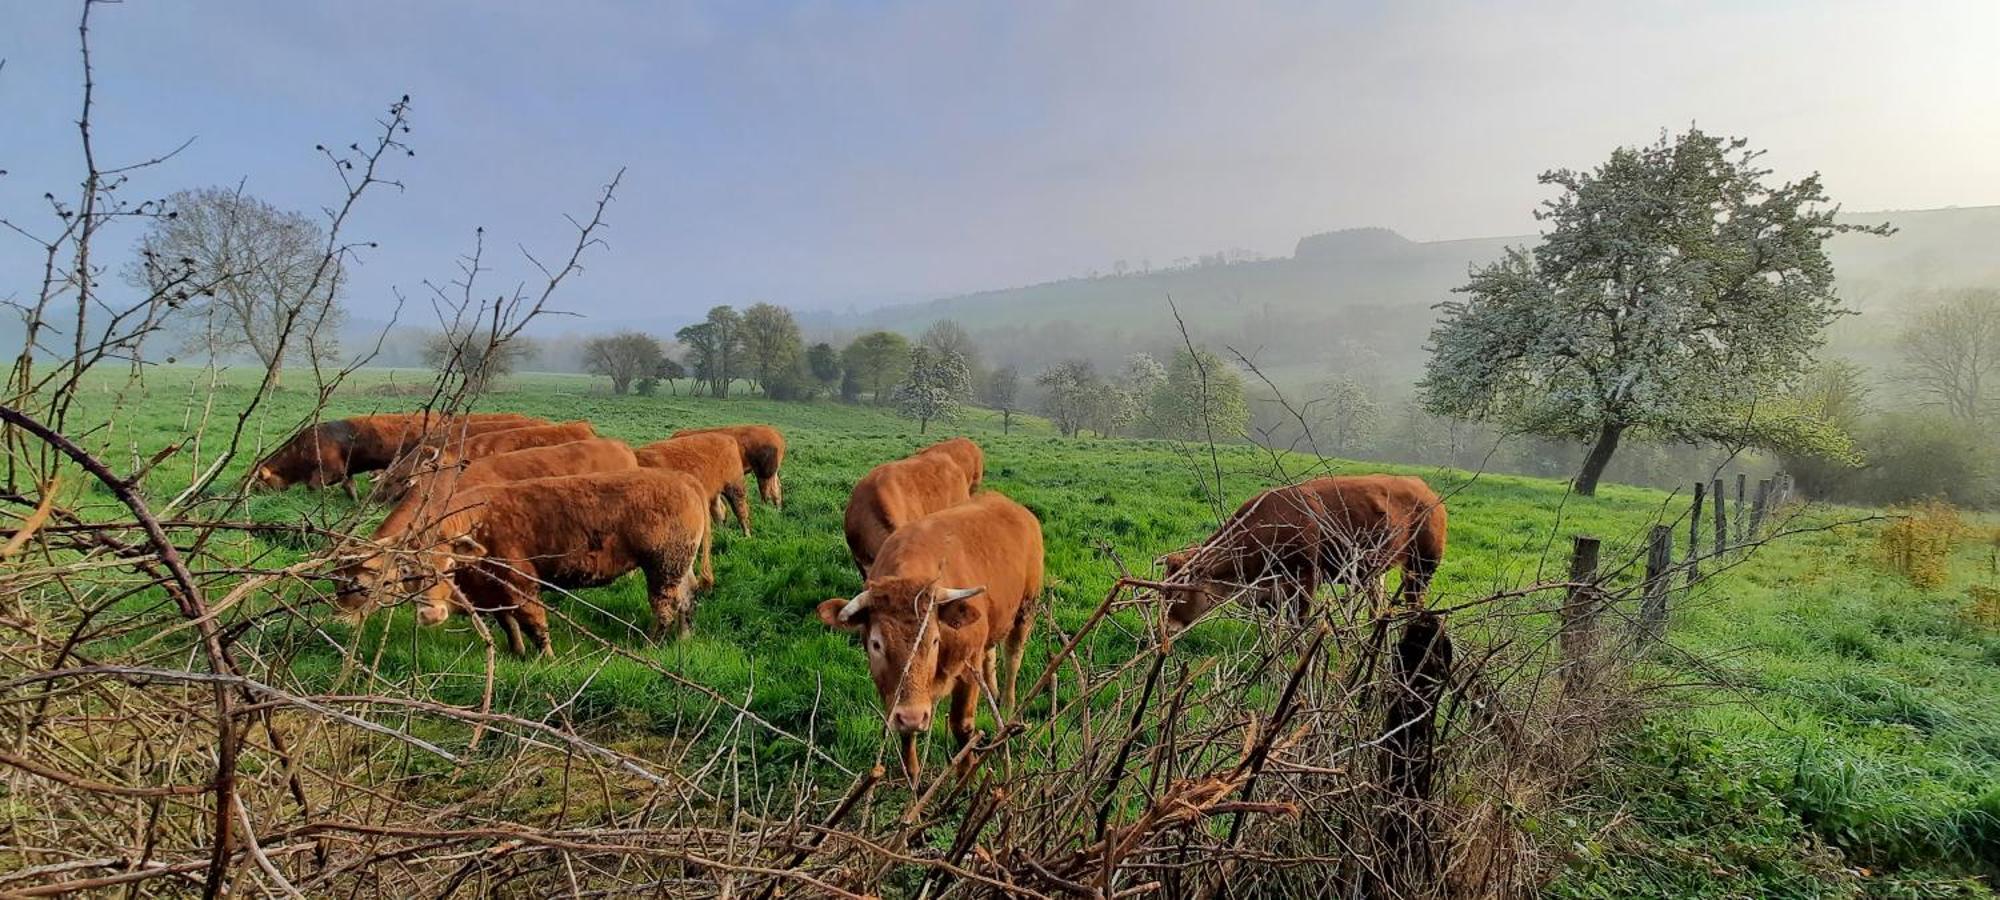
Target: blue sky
{"points": [[835, 155]]}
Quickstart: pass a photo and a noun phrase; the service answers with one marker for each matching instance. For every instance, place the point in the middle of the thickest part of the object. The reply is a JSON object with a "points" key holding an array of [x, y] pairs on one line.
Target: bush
{"points": [[1918, 543], [647, 386]]}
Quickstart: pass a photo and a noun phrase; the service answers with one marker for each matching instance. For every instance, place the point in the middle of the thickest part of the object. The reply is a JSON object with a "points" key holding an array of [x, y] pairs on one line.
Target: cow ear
{"points": [[958, 616], [468, 545], [829, 614]]}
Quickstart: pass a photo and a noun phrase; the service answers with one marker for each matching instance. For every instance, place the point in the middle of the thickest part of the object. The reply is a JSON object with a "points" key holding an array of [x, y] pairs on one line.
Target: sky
{"points": [[834, 156]]}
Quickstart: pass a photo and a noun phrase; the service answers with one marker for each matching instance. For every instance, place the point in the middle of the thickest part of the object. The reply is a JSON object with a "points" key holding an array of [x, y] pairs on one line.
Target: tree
{"points": [[877, 361], [670, 371], [947, 336], [1108, 408], [823, 363], [772, 346], [714, 347], [1950, 350], [1144, 376], [1002, 390], [476, 355], [1834, 393], [1349, 416], [1201, 400], [1673, 291], [1067, 390], [623, 357], [934, 388], [273, 292]]}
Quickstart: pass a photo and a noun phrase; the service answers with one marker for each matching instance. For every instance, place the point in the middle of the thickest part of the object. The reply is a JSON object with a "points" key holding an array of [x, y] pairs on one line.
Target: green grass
{"points": [[1841, 719]]}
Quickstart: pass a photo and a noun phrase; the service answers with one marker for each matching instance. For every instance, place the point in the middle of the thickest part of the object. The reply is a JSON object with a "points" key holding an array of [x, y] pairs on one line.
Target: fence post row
{"points": [[1653, 608], [1694, 533], [1721, 504], [1742, 481], [1758, 509], [1577, 638]]}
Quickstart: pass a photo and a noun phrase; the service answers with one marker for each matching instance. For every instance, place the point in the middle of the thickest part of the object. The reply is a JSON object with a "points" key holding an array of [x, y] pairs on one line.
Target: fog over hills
{"points": [[1353, 298], [1374, 288]]}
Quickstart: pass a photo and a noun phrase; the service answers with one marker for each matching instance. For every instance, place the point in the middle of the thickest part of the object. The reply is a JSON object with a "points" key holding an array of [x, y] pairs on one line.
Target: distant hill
{"points": [[1375, 288]]}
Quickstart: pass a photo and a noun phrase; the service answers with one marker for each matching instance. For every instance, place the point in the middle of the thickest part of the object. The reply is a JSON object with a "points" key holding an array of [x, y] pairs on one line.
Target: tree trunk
{"points": [[1006, 421], [620, 385], [1598, 458]]}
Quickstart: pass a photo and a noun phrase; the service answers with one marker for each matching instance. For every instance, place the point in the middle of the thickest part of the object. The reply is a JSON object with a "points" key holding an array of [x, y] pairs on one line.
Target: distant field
{"points": [[1840, 733]]}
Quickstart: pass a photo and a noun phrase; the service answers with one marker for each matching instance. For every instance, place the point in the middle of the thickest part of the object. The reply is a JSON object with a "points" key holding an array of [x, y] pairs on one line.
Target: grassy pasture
{"points": [[1837, 731]]}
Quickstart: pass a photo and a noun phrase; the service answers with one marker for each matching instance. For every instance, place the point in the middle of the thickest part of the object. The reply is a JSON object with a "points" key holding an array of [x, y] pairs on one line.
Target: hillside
{"points": [[1374, 287]]}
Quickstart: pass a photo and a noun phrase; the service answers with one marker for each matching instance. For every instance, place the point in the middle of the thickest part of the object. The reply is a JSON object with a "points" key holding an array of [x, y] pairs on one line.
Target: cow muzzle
{"points": [[910, 719]]}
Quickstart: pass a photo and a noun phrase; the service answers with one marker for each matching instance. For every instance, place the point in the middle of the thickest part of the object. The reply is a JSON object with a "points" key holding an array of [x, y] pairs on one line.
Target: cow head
{"points": [[424, 577], [920, 637], [1191, 593], [402, 475]]}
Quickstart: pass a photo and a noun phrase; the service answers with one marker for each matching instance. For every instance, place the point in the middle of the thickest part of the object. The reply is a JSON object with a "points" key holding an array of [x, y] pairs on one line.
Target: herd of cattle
{"points": [[489, 509]]}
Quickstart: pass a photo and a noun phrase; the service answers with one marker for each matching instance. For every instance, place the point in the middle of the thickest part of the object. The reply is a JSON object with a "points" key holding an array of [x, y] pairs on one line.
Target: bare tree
{"points": [[947, 336], [474, 355], [264, 270], [1002, 391], [1951, 352], [623, 357]]}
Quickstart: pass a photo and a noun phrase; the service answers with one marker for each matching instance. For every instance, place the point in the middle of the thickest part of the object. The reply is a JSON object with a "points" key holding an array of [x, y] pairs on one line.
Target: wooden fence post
{"points": [[1742, 481], [1653, 609], [1419, 672], [1757, 510], [1577, 638], [1721, 504], [1694, 532]]}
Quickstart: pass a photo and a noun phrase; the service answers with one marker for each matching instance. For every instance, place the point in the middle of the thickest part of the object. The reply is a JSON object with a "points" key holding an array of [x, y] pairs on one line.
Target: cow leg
{"points": [[772, 490], [707, 582], [669, 589], [353, 494], [738, 496], [964, 709], [1017, 646], [516, 644], [527, 612], [717, 510]]}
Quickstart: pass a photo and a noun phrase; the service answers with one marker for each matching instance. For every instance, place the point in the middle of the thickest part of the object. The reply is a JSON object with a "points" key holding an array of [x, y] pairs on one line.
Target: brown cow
{"points": [[1283, 543], [499, 544], [573, 458], [902, 491], [715, 462], [978, 565], [327, 453], [763, 453], [448, 450]]}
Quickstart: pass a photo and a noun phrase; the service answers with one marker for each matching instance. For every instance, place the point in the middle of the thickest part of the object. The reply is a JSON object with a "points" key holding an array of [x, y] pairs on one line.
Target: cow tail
{"points": [[1425, 553], [763, 461]]}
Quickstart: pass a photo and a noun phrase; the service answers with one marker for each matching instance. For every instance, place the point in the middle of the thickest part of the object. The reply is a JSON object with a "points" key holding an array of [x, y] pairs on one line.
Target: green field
{"points": [[1825, 729]]}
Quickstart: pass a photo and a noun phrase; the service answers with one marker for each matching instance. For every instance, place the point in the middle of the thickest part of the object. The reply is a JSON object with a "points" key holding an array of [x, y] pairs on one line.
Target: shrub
{"points": [[1918, 542]]}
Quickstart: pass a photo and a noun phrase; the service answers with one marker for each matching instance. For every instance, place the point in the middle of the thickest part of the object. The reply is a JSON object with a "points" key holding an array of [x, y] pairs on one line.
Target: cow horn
{"points": [[951, 595], [859, 603]]}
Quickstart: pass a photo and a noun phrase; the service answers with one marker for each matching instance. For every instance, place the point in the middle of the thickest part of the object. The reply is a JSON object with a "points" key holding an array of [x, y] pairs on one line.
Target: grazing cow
{"points": [[716, 463], [573, 458], [946, 591], [327, 453], [448, 450], [763, 453], [497, 545], [1283, 543], [902, 491]]}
